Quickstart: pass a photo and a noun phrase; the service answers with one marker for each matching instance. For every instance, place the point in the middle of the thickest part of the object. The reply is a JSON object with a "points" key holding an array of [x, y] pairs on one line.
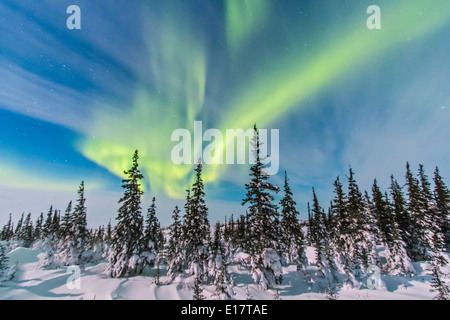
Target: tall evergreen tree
{"points": [[66, 222], [196, 233], [319, 237], [37, 233], [18, 231], [56, 223], [402, 217], [7, 231], [420, 239], [198, 289], [293, 238], [442, 199], [218, 267], [175, 254], [4, 263], [398, 261], [26, 234], [49, 241], [151, 236], [76, 248], [263, 220], [127, 257]]}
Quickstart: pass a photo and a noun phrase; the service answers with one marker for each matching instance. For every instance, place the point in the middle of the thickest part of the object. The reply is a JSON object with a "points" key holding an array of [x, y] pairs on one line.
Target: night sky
{"points": [[75, 104]]}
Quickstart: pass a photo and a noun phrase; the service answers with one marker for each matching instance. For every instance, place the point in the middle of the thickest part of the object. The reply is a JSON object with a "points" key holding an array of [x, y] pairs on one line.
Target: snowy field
{"points": [[34, 283]]}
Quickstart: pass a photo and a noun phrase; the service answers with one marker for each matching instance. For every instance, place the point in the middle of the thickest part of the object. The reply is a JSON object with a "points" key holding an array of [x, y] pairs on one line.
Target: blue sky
{"points": [[74, 104]]}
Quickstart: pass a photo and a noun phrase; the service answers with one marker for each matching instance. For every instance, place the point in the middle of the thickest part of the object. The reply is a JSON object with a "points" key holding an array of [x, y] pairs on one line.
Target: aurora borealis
{"points": [[75, 104]]}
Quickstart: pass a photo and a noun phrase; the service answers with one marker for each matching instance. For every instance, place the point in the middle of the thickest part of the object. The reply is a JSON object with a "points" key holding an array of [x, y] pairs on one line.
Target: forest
{"points": [[358, 235]]}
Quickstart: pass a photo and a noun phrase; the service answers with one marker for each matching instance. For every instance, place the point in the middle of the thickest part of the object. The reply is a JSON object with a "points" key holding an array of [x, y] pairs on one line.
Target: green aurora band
{"points": [[178, 61]]}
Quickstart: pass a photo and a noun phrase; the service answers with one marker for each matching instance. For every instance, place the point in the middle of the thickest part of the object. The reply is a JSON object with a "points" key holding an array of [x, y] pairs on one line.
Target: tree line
{"points": [[389, 230]]}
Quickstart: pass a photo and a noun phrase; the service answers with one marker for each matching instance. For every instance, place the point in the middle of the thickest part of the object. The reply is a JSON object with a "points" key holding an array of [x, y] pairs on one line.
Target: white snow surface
{"points": [[35, 283]]}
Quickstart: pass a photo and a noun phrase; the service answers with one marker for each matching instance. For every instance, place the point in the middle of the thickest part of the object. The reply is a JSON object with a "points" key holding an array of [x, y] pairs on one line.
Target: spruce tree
{"points": [[126, 256], [4, 263], [360, 228], [293, 238], [438, 260], [229, 235], [107, 239], [56, 223], [310, 227], [7, 231], [49, 241], [420, 240], [26, 234], [66, 222], [438, 284], [18, 231], [218, 267], [174, 250], [196, 233], [198, 289], [442, 199], [151, 236], [37, 233], [319, 236], [80, 235], [398, 261], [402, 217], [263, 222]]}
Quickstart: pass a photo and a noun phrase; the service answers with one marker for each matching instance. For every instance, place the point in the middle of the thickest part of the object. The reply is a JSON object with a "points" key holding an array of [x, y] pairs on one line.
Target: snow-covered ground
{"points": [[34, 283]]}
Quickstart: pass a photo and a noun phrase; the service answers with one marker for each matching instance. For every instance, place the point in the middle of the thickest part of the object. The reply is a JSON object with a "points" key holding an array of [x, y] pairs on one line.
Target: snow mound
{"points": [[23, 255]]}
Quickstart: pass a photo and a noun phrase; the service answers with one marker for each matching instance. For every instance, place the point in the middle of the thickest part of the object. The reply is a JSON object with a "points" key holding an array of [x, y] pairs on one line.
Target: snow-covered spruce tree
{"points": [[161, 253], [49, 240], [310, 227], [196, 233], [198, 289], [442, 199], [429, 208], [26, 233], [241, 242], [402, 217], [318, 236], [229, 234], [372, 230], [127, 253], [398, 261], [7, 231], [4, 263], [151, 234], [37, 232], [264, 237], [360, 228], [18, 232], [218, 268], [326, 268], [438, 284], [438, 260], [293, 239], [420, 233], [66, 222], [344, 243], [65, 231], [76, 245], [107, 240], [56, 222], [175, 258], [96, 244]]}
